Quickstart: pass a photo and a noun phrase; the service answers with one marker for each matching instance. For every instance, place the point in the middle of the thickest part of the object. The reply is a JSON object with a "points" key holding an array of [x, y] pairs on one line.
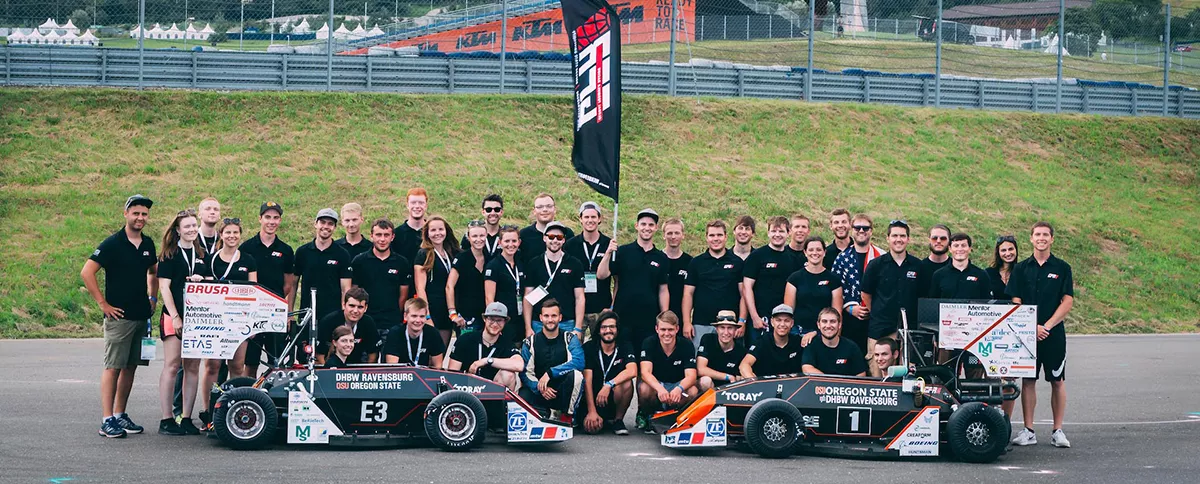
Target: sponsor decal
{"points": [[370, 381], [469, 388], [714, 427], [823, 283], [855, 395], [911, 274], [669, 439], [743, 396], [243, 290], [97, 252], [984, 349], [812, 420], [207, 289], [197, 344], [518, 422]]}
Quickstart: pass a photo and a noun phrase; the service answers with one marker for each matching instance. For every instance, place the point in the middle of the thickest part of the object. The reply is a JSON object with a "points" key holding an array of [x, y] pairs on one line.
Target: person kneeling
{"points": [[488, 353], [610, 366], [720, 353], [834, 355], [777, 352], [668, 370], [553, 378], [422, 344]]}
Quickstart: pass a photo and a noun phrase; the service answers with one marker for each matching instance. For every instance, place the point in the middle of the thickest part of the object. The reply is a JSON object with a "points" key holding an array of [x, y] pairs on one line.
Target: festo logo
{"points": [[743, 397]]}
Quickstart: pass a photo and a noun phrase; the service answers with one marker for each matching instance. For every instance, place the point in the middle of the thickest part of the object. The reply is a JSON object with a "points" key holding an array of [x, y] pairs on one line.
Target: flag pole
{"points": [[615, 206]]}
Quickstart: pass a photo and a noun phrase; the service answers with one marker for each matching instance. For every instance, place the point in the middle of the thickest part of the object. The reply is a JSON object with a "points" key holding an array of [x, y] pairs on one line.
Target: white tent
{"points": [[70, 27], [88, 39], [359, 29], [375, 31], [207, 29], [190, 32], [16, 37], [133, 33], [173, 33], [342, 32], [1009, 43], [323, 32], [155, 33], [35, 37], [48, 25], [303, 28], [1053, 48], [52, 38], [69, 38]]}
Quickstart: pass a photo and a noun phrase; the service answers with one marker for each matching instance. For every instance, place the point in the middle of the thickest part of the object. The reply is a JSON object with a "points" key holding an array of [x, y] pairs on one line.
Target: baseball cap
{"points": [[138, 199], [556, 225], [496, 309], [726, 317], [327, 213], [648, 212], [270, 206], [592, 205], [782, 309]]}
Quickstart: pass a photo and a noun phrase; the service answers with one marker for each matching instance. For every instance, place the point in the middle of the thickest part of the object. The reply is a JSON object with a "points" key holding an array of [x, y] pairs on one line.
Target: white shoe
{"points": [[1059, 439], [1025, 437]]}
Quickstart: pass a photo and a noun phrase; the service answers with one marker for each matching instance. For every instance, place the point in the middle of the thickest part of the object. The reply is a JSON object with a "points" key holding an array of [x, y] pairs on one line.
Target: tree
{"points": [[81, 18]]}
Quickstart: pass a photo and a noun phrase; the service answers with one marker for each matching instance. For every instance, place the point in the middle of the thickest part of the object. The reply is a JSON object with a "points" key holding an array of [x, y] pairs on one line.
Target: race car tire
{"points": [[456, 421], [235, 382], [977, 433], [774, 428], [246, 419]]}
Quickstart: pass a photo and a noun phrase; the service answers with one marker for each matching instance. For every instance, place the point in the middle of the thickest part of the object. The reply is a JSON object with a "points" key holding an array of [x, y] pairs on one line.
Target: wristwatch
{"points": [[609, 383], [490, 360]]}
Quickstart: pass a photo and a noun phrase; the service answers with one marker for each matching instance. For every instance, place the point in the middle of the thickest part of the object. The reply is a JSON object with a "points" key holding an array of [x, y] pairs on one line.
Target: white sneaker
{"points": [[1025, 437], [1059, 439]]}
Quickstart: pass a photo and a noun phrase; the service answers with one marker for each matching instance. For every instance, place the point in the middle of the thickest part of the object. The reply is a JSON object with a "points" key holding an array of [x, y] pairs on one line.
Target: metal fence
{"points": [[58, 66]]}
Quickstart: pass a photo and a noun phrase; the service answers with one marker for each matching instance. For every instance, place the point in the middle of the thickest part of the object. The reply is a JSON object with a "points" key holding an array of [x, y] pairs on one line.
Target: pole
{"points": [[242, 33], [141, 42], [329, 51], [812, 8], [671, 55], [937, 60], [615, 218], [185, 19], [272, 22], [1167, 59], [1062, 37], [503, 39]]}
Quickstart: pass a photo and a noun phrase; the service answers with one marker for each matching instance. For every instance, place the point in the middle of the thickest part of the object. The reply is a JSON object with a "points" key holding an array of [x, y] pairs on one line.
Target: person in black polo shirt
{"points": [[209, 211], [276, 262], [385, 275], [764, 277], [130, 264], [492, 210], [589, 247], [640, 272], [961, 279], [776, 353], [889, 283], [743, 237], [555, 275], [839, 224], [416, 342], [610, 365], [504, 281], [833, 355], [342, 348], [720, 353], [1046, 281], [431, 272], [939, 257], [362, 327], [486, 353], [353, 242], [464, 285], [667, 370], [323, 266], [544, 212], [714, 283], [553, 376], [812, 287], [677, 262], [798, 230], [408, 234]]}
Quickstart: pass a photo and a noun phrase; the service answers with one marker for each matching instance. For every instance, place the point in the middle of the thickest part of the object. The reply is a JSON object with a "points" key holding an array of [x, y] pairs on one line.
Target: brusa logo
{"points": [[537, 28], [475, 39], [207, 289], [743, 397], [593, 60]]}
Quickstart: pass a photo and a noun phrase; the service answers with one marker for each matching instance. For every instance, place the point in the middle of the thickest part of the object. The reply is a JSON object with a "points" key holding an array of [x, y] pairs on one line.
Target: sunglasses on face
{"points": [[555, 237], [234, 221], [862, 228], [938, 237], [727, 318], [493, 209]]}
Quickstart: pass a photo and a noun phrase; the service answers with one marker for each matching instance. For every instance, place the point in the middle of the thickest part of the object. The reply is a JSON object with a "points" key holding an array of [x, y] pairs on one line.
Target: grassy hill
{"points": [[1122, 191]]}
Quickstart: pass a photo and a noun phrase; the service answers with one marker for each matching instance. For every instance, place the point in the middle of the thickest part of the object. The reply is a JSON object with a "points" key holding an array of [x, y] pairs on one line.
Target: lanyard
{"points": [[512, 270], [444, 260], [236, 255], [206, 247], [480, 349], [549, 273], [591, 258], [491, 247], [420, 344], [604, 369], [191, 263]]}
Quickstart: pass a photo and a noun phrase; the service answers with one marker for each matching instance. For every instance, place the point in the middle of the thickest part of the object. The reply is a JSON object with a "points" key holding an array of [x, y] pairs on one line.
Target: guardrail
{"points": [[66, 66]]}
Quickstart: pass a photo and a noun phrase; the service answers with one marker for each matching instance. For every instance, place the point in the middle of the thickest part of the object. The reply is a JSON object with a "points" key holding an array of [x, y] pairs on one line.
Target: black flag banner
{"points": [[596, 60]]}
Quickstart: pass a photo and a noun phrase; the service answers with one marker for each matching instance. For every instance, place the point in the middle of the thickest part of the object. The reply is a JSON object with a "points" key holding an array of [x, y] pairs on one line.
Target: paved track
{"points": [[1134, 416]]}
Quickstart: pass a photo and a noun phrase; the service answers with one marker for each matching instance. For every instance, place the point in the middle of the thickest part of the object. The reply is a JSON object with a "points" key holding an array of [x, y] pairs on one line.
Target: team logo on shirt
{"points": [[97, 252], [276, 254], [331, 262], [565, 271], [487, 272], [677, 362], [653, 263], [146, 253], [241, 269], [911, 274], [393, 271], [771, 265], [1051, 276], [727, 266], [972, 278], [793, 355], [823, 283], [840, 361]]}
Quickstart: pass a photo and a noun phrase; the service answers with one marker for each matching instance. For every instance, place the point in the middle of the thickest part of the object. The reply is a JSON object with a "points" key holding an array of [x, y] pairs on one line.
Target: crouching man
{"points": [[488, 353], [553, 378]]}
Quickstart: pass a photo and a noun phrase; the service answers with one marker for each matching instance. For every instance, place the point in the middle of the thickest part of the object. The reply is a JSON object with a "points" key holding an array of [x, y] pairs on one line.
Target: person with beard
{"points": [[464, 285], [486, 353], [431, 272], [719, 354], [798, 230], [764, 277], [891, 283], [324, 266], [677, 262], [209, 211], [491, 210], [505, 281], [130, 263], [743, 236], [640, 273], [849, 266], [588, 248], [939, 257], [554, 363], [778, 352], [839, 224], [714, 283], [833, 355], [385, 275], [610, 365], [408, 234], [557, 276], [352, 220]]}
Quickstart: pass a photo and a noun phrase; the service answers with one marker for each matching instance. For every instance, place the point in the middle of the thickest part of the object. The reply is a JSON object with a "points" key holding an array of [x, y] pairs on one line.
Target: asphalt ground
{"points": [[1133, 416]]}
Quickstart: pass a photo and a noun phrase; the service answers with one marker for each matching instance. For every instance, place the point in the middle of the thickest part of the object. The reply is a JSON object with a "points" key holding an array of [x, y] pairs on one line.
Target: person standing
{"points": [[229, 264], [939, 256], [276, 261], [639, 270], [677, 262], [961, 279], [323, 266], [743, 236], [181, 261], [353, 242], [1003, 260], [385, 275], [492, 210], [849, 266], [209, 211], [798, 230], [559, 276], [765, 274], [130, 263], [1047, 282], [891, 283], [504, 281], [408, 234], [544, 212], [714, 283], [431, 271], [588, 247], [464, 285], [812, 287], [839, 224]]}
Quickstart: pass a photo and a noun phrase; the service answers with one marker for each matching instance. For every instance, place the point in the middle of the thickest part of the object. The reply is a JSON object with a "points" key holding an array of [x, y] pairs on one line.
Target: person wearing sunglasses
{"points": [[939, 256], [839, 224], [181, 261], [464, 285], [505, 281], [431, 272], [849, 266], [488, 353], [610, 365], [765, 275], [544, 212], [385, 275], [407, 239], [889, 283], [1003, 259], [588, 247], [275, 260], [555, 275], [491, 211]]}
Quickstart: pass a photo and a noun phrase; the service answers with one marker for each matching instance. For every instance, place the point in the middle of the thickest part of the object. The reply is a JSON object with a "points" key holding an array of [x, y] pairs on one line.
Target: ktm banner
{"points": [[595, 34], [642, 22]]}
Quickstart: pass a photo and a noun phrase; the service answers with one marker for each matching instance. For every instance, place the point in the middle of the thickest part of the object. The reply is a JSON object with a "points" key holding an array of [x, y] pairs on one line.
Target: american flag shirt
{"points": [[849, 265]]}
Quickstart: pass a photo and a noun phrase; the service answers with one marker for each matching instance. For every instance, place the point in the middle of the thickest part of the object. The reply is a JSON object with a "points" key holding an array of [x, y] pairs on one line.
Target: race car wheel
{"points": [[230, 384], [977, 433], [456, 421], [246, 419], [774, 427]]}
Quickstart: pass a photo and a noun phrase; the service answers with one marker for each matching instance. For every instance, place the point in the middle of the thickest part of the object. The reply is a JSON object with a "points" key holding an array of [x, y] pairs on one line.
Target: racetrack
{"points": [[1133, 416]]}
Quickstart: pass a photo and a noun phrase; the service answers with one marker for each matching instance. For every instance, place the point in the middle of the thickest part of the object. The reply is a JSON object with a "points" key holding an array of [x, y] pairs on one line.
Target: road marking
{"points": [[69, 380], [1190, 419], [60, 480], [660, 458], [639, 454], [1044, 471], [1008, 468]]}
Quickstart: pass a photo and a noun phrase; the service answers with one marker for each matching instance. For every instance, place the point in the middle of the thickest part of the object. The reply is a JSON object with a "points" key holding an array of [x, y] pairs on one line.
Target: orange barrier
{"points": [[642, 22]]}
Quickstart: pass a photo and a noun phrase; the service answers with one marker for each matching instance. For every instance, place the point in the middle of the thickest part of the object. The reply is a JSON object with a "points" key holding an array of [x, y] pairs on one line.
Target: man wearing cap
{"points": [[276, 262], [589, 247], [610, 365], [544, 212], [130, 263], [778, 352], [491, 211], [385, 275], [640, 272], [352, 220], [555, 275], [488, 353], [719, 354], [553, 376], [833, 355], [324, 266], [714, 283], [890, 283], [765, 275]]}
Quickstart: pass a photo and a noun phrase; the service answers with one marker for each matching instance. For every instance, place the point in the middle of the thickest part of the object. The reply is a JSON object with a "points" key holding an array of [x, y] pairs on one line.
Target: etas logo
{"points": [[743, 397]]}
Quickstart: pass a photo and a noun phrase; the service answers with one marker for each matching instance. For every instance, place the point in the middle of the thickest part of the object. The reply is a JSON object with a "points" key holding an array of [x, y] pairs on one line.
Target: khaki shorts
{"points": [[123, 343]]}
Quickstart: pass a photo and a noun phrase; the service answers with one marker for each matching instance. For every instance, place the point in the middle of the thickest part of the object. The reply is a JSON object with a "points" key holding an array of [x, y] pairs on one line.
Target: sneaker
{"points": [[1059, 439], [618, 427], [128, 425], [1025, 437], [188, 427], [167, 426], [649, 430], [205, 420], [111, 429]]}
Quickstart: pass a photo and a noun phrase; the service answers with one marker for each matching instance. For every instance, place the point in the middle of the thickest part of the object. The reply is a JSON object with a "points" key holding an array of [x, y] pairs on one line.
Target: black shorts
{"points": [[1052, 355]]}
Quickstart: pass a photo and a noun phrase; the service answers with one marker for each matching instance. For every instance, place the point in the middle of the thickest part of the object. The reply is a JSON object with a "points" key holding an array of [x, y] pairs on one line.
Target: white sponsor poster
{"points": [[219, 317], [307, 424], [920, 437], [1002, 336], [524, 426], [709, 431]]}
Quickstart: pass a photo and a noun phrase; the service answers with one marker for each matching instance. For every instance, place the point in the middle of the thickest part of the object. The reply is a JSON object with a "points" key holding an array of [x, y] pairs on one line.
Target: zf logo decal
{"points": [[715, 427], [517, 422]]}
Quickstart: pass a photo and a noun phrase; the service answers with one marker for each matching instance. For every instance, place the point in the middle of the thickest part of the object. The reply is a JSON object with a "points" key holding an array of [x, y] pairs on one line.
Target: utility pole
{"points": [[1062, 37], [671, 60]]}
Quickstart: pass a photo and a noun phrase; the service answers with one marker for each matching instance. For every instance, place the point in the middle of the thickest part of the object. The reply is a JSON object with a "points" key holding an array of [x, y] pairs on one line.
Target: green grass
{"points": [[1122, 191]]}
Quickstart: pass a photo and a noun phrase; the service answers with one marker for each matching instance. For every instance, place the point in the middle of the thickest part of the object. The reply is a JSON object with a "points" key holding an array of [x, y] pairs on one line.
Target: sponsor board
{"points": [[526, 427], [217, 318], [709, 431], [307, 424], [920, 437], [1002, 336]]}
